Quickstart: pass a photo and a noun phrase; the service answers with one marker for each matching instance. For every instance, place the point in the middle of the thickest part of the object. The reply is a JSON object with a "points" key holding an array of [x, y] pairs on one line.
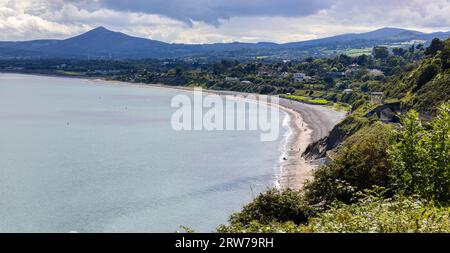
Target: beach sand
{"points": [[296, 170]]}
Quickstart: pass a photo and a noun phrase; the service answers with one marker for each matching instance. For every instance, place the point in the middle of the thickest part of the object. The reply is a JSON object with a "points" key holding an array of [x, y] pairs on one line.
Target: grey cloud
{"points": [[211, 11]]}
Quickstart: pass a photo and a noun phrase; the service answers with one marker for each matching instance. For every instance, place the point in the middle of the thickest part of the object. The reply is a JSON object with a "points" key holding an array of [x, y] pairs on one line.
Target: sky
{"points": [[208, 21]]}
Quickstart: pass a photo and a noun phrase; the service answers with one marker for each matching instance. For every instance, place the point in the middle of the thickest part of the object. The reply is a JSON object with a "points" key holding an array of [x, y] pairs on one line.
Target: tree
{"points": [[436, 45], [420, 160], [345, 59], [398, 51], [380, 52], [329, 81], [362, 59]]}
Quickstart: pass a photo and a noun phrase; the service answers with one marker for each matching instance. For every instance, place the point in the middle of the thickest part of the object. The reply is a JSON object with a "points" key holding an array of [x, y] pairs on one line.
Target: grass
{"points": [[358, 52], [316, 101], [341, 107], [68, 73]]}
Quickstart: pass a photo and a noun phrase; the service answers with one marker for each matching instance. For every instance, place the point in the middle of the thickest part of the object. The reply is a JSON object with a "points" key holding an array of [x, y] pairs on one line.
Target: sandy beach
{"points": [[308, 123], [295, 170]]}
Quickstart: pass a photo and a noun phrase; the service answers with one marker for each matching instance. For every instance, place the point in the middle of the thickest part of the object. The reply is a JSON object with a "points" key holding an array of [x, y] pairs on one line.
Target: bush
{"points": [[420, 159], [257, 227], [371, 214], [427, 74], [274, 206], [377, 215]]}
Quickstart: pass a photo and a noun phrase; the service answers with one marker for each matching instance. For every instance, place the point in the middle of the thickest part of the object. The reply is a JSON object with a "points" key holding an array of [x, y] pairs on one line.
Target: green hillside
{"points": [[428, 85], [381, 176]]}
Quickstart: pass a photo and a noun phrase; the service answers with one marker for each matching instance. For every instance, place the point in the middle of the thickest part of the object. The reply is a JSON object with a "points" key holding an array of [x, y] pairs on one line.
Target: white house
{"points": [[232, 79], [301, 77], [348, 91]]}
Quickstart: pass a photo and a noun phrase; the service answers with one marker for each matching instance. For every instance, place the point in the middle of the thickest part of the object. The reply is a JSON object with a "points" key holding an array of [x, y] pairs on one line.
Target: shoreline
{"points": [[304, 123], [293, 170]]}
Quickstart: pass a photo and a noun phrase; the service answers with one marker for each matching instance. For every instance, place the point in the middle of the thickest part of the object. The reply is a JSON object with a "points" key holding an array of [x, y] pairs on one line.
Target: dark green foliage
{"points": [[375, 214], [436, 45], [420, 159], [274, 206], [398, 174], [427, 74], [429, 97], [371, 214], [380, 52], [427, 85]]}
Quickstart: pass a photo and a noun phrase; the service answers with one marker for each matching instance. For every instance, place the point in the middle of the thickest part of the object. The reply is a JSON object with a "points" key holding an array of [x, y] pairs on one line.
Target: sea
{"points": [[79, 155]]}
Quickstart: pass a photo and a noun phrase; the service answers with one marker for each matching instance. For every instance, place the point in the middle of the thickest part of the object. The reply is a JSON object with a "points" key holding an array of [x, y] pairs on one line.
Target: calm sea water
{"points": [[78, 155]]}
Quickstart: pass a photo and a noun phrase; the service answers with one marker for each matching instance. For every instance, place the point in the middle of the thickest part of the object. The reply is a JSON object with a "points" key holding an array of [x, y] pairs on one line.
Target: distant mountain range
{"points": [[101, 43]]}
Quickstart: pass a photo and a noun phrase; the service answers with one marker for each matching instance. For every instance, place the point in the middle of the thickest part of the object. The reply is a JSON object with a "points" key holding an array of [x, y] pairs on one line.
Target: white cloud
{"points": [[222, 22]]}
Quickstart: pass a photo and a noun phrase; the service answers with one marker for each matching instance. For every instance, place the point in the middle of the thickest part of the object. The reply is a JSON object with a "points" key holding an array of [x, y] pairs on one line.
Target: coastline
{"points": [[306, 123], [293, 169]]}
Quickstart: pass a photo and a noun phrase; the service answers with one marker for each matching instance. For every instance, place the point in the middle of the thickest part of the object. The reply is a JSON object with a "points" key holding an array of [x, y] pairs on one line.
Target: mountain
{"points": [[101, 43], [384, 35]]}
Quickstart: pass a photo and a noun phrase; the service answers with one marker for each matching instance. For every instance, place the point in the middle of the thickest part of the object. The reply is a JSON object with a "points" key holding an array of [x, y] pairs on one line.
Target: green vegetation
{"points": [[427, 85], [316, 101], [341, 107], [357, 52], [382, 178], [68, 73], [371, 214], [420, 160], [274, 206], [382, 215], [361, 163]]}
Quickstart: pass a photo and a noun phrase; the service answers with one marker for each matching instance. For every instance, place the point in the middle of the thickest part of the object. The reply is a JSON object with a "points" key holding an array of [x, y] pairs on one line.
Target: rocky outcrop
{"points": [[387, 113]]}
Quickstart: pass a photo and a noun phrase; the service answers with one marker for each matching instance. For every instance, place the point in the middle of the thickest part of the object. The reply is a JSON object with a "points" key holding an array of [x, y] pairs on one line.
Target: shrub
{"points": [[274, 206], [420, 159], [371, 214], [377, 215]]}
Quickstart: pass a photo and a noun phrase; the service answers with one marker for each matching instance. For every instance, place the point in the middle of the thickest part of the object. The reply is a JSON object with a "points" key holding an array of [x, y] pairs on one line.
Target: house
{"points": [[285, 75], [375, 72], [106, 72], [348, 91], [246, 82], [301, 77], [352, 70], [232, 79]]}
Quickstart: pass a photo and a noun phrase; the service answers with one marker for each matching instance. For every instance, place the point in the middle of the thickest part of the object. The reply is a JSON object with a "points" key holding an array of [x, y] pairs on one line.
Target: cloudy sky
{"points": [[206, 21]]}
